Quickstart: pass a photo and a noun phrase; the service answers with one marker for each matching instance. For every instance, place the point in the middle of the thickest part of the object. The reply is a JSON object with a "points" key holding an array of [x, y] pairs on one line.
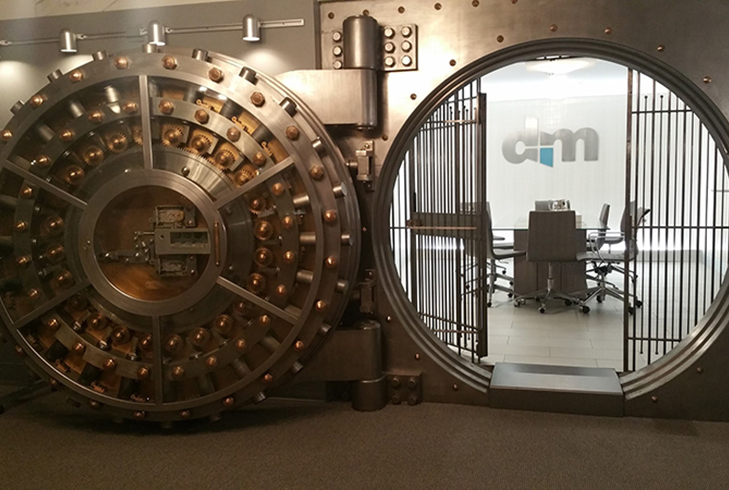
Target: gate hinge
{"points": [[367, 292], [364, 165]]}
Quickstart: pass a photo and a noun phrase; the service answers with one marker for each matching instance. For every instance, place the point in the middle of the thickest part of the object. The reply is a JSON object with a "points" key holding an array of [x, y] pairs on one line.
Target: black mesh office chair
{"points": [[552, 240], [494, 253]]}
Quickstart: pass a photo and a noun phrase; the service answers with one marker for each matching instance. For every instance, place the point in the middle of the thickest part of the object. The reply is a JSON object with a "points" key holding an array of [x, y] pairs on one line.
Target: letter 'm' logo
{"points": [[539, 146]]}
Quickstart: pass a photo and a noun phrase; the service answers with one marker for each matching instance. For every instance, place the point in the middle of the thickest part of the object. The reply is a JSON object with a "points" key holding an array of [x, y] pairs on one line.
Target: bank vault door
{"points": [[439, 224]]}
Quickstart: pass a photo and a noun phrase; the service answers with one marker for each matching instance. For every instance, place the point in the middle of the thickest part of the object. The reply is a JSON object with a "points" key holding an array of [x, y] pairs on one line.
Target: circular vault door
{"points": [[176, 236]]}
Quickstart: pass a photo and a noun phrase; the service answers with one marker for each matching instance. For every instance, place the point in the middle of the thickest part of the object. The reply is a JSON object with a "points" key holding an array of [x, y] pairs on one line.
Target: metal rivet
{"points": [[277, 189], [131, 107], [389, 318], [452, 62], [211, 362], [53, 324], [169, 62], [401, 10], [389, 62], [240, 345], [259, 159], [289, 257], [500, 39], [34, 294], [94, 404], [654, 399], [216, 74], [79, 348], [6, 135], [336, 36], [553, 28], [23, 260], [299, 346], [264, 320], [229, 402], [121, 63], [140, 415], [331, 262], [475, 3], [316, 172], [143, 372], [321, 306], [437, 6], [413, 96], [707, 80], [96, 117], [36, 101], [281, 290], [21, 226], [608, 30], [54, 383], [66, 135], [417, 357], [338, 65], [268, 378], [76, 76], [110, 365], [292, 133], [330, 15], [258, 99], [233, 134], [19, 351], [288, 222], [455, 387], [202, 116], [178, 372], [700, 370], [185, 414], [166, 107], [661, 48], [330, 216]]}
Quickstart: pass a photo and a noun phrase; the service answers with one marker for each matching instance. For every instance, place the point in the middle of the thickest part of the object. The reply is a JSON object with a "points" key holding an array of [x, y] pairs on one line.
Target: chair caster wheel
{"points": [[599, 299], [631, 310], [585, 309], [542, 309], [510, 295], [638, 303], [567, 302], [488, 305]]}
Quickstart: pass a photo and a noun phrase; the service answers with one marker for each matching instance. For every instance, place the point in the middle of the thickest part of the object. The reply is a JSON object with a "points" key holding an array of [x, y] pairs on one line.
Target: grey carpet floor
{"points": [[47, 444]]}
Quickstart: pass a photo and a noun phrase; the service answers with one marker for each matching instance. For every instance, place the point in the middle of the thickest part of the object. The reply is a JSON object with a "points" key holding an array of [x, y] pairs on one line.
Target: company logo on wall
{"points": [[539, 146]]}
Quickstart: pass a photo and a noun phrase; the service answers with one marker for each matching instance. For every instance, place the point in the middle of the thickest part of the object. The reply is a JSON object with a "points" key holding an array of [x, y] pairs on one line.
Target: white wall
{"points": [[513, 188]]}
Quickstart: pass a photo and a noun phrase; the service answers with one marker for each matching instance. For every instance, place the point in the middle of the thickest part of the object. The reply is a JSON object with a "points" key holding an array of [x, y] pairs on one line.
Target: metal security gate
{"points": [[436, 223], [677, 176]]}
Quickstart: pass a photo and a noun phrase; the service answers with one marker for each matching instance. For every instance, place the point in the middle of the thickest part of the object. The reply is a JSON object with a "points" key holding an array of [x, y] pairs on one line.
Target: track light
{"points": [[68, 41], [251, 29], [156, 34]]}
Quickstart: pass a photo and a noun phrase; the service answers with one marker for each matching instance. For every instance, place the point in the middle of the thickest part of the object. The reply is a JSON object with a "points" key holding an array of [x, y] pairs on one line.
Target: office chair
{"points": [[552, 240], [606, 262], [494, 253]]}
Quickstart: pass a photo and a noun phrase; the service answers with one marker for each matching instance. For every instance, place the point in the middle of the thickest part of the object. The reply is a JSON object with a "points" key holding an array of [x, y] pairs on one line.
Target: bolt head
{"points": [[178, 372], [185, 414], [258, 99], [240, 345], [43, 161], [289, 257], [6, 135], [233, 134], [211, 362], [34, 294], [131, 107], [229, 402], [19, 351], [166, 107], [288, 222], [331, 262], [321, 306], [79, 348], [53, 323], [143, 372], [96, 117], [317, 172], [277, 189], [66, 135], [121, 63], [94, 404], [202, 116], [268, 378], [140, 415], [27, 192], [109, 365], [76, 76], [36, 100], [264, 320], [292, 133], [169, 62], [216, 74], [281, 290], [299, 346], [330, 216], [259, 159]]}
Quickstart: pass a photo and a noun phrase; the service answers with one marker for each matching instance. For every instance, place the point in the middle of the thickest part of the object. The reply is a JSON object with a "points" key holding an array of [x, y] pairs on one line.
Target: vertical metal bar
{"points": [[146, 112], [663, 230], [628, 173], [698, 224], [157, 368]]}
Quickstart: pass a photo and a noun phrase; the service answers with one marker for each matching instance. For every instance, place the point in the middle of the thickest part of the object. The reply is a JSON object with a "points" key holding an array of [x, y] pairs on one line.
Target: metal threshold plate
{"points": [[590, 391]]}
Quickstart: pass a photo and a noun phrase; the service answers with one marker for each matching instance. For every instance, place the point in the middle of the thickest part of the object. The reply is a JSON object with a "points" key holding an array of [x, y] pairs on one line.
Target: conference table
{"points": [[532, 276]]}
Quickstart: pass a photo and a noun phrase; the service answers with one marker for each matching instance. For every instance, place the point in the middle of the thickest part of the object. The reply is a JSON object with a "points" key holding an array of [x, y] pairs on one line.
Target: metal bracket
{"points": [[364, 165], [367, 293], [404, 388]]}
